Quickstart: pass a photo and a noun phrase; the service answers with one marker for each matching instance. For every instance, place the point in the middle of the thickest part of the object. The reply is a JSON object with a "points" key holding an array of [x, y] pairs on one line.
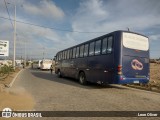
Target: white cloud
{"points": [[40, 38], [44, 9], [91, 16], [154, 37], [34, 37], [5, 25], [108, 16]]}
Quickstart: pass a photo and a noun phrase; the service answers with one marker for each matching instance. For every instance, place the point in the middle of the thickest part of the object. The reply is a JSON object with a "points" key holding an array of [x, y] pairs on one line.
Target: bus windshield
{"points": [[135, 41], [47, 61]]}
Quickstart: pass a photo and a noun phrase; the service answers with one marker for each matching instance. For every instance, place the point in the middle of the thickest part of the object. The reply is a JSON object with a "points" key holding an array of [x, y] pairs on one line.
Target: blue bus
{"points": [[120, 57]]}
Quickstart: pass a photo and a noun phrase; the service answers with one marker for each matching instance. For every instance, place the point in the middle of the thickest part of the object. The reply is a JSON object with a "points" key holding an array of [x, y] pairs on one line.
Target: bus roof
{"points": [[120, 31]]}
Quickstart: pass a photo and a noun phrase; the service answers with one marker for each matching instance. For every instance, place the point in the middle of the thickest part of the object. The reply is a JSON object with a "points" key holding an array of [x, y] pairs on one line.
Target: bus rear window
{"points": [[134, 41]]}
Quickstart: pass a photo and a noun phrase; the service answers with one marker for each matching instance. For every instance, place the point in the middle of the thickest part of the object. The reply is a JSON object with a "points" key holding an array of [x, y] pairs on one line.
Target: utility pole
{"points": [[14, 47], [25, 53]]}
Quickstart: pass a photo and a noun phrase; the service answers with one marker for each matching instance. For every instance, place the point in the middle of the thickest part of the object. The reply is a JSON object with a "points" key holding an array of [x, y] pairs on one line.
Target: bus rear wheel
{"points": [[82, 78]]}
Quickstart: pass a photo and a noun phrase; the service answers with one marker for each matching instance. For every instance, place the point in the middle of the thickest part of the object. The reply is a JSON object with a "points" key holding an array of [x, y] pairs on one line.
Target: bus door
{"points": [[72, 68], [76, 65], [107, 59], [102, 63], [135, 56], [101, 69]]}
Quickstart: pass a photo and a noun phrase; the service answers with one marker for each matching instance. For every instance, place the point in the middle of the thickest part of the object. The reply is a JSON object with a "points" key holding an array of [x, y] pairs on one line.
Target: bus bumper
{"points": [[124, 80]]}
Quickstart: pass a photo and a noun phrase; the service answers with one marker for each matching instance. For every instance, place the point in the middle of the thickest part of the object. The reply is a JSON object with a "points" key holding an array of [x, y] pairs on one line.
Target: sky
{"points": [[58, 24]]}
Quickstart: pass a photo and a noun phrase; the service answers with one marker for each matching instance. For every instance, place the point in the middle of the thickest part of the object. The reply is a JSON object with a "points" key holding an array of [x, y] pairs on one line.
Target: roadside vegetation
{"points": [[5, 70], [7, 74]]}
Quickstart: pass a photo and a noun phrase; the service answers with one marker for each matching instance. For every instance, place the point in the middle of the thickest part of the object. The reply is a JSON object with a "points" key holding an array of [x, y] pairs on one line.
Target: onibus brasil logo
{"points": [[7, 113]]}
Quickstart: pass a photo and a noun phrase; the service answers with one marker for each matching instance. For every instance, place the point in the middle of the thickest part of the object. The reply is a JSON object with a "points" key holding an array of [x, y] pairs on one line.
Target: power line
{"points": [[8, 13], [58, 29]]}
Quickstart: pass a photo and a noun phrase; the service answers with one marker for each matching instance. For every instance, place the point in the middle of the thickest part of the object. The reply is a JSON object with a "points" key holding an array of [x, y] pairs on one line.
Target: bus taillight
{"points": [[121, 78], [119, 68]]}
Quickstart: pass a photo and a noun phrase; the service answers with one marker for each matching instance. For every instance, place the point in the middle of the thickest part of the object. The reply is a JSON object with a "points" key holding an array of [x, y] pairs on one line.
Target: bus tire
{"points": [[59, 74], [82, 78]]}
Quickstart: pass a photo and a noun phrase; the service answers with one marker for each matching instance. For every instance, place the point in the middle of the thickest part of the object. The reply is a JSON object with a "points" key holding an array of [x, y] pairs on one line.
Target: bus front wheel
{"points": [[59, 74], [82, 78]]}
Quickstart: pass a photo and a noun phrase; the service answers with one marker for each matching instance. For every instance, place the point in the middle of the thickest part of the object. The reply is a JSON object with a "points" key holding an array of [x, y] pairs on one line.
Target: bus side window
{"points": [[56, 58], [109, 46], [81, 50], [74, 53], [70, 56], [91, 49], [77, 52], [66, 54], [86, 50], [98, 47], [104, 46], [59, 56], [63, 55]]}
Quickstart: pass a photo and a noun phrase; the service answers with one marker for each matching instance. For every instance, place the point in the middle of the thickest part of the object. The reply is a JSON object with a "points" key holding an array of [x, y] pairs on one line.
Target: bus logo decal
{"points": [[136, 65]]}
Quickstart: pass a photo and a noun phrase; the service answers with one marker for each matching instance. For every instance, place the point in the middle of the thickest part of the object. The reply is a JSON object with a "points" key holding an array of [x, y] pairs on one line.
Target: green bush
{"points": [[6, 69]]}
